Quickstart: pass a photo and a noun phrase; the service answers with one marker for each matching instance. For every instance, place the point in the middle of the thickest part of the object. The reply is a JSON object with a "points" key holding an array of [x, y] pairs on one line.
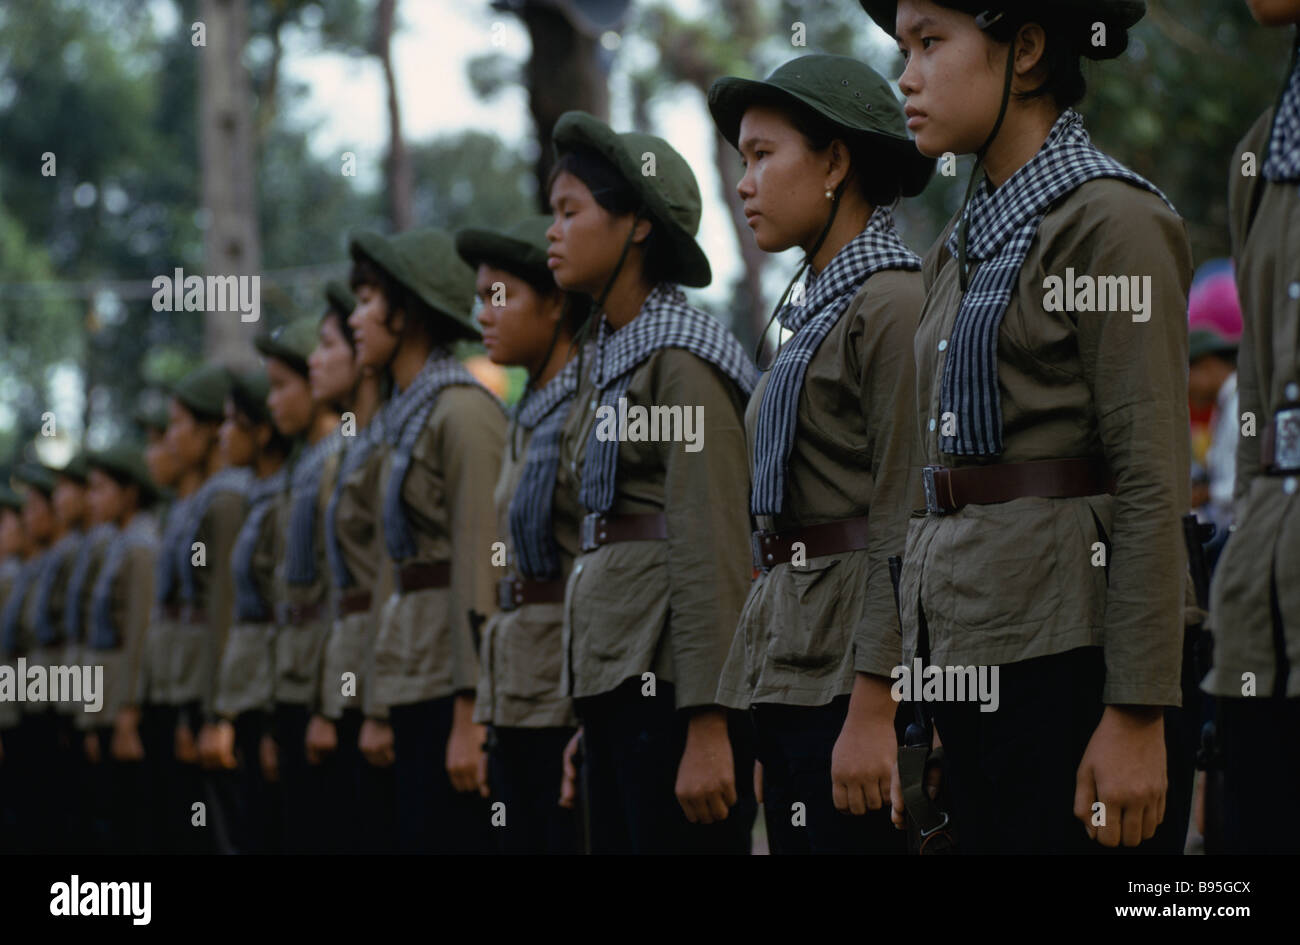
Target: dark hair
{"points": [[256, 415], [1062, 56], [344, 328], [878, 174], [616, 196], [365, 271]]}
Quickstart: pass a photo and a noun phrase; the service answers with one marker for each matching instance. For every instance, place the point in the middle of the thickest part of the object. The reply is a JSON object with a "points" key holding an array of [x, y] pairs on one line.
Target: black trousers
{"points": [[308, 823], [525, 771], [795, 743], [253, 806], [432, 816], [362, 797], [1261, 765], [632, 746], [112, 801]]}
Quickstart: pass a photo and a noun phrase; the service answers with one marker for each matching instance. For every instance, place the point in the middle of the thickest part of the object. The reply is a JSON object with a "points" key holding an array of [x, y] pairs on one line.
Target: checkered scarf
{"points": [[304, 495], [531, 530], [238, 480], [11, 616], [72, 609], [167, 572], [104, 633], [665, 321], [1001, 227], [249, 602], [47, 634], [355, 455], [877, 247], [406, 419], [1283, 162]]}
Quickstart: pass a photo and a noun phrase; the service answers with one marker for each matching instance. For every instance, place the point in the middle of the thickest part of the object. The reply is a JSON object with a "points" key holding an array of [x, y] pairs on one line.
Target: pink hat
{"points": [[1213, 305]]}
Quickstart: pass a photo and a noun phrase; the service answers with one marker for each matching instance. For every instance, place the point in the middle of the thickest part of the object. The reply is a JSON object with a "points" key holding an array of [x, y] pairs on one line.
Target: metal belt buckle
{"points": [[756, 550], [506, 594], [932, 505], [589, 542], [1286, 440]]}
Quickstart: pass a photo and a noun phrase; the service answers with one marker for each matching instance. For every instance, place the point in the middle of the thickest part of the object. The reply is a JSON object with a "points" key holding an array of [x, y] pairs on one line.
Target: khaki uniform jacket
{"points": [[1264, 550], [132, 601], [76, 651], [298, 648], [27, 638], [669, 607], [1011, 581], [523, 649], [154, 682], [806, 629], [196, 648], [61, 652], [426, 647], [247, 678], [352, 637], [10, 713]]}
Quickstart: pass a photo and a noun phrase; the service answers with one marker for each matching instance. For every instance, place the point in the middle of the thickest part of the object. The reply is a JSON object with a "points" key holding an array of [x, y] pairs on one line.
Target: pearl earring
{"points": [[830, 195]]}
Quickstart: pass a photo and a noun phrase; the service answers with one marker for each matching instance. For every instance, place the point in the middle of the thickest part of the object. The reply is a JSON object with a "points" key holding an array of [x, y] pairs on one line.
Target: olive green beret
{"points": [[203, 391], [425, 262], [520, 249], [292, 343], [125, 462], [670, 195]]}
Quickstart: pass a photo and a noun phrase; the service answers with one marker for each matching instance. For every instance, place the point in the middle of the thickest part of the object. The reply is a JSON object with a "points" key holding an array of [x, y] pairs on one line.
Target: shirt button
{"points": [[943, 345], [593, 403], [1289, 485], [1293, 391], [932, 423], [1293, 290]]}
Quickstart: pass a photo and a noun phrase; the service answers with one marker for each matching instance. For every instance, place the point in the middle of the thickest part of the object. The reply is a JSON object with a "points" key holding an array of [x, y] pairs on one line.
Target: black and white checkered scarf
{"points": [[170, 551], [104, 633], [11, 616], [407, 415], [355, 455], [1283, 162], [531, 530], [249, 602], [72, 610], [665, 321], [235, 479], [877, 247], [1001, 228], [304, 499]]}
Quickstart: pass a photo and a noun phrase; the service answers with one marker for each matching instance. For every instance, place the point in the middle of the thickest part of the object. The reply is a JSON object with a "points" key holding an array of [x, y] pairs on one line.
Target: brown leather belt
{"points": [[1279, 444], [948, 489], [598, 529], [829, 538], [513, 592], [295, 615], [354, 601], [421, 577]]}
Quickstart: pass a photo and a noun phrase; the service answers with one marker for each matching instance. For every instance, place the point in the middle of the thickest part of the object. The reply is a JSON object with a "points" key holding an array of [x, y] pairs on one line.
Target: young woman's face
{"points": [[518, 323], [586, 239], [69, 502], [164, 467], [38, 516], [105, 496], [189, 438], [953, 79], [332, 368], [290, 400], [11, 532], [376, 342], [1275, 12], [785, 182], [237, 437]]}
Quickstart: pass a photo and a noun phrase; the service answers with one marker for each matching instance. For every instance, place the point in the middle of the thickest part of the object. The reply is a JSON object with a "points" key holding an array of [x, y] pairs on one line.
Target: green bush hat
{"points": [[671, 196], [125, 463], [250, 388], [520, 249], [292, 343], [848, 94], [1118, 15], [203, 390], [9, 499], [340, 298], [36, 476], [152, 417], [74, 469], [426, 263]]}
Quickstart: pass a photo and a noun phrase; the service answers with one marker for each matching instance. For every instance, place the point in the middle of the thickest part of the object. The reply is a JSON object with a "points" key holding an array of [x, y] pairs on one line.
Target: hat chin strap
{"points": [[963, 268]]}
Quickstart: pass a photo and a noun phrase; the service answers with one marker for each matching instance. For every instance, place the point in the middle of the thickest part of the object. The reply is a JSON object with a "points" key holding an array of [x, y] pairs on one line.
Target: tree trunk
{"points": [[231, 244], [401, 184]]}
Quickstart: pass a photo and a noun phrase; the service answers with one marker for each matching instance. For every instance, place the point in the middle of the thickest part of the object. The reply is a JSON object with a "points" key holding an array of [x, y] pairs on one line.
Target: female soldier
{"points": [[119, 489], [444, 433], [13, 561], [362, 792], [302, 583], [826, 157], [1256, 607], [1055, 433], [527, 320], [642, 663], [245, 686]]}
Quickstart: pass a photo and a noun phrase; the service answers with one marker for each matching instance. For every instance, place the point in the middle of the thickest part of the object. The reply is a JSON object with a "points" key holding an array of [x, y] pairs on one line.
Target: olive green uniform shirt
{"points": [[1012, 581], [1263, 553], [807, 628], [426, 647], [665, 606], [131, 603]]}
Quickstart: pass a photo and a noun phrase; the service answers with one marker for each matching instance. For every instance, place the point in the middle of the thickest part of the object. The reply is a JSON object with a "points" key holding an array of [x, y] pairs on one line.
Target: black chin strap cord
{"points": [[977, 171]]}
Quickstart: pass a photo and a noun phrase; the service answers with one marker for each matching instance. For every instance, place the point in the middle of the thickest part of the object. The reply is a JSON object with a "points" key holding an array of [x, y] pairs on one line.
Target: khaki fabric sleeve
{"points": [[138, 577], [220, 529]]}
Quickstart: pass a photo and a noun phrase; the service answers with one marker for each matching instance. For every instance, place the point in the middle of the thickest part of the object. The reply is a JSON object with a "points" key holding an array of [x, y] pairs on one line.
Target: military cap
{"points": [[425, 262]]}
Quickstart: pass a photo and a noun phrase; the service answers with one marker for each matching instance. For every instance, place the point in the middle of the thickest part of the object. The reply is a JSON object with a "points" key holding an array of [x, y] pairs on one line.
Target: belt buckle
{"points": [[1286, 440], [589, 542], [506, 594], [932, 505], [756, 550]]}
